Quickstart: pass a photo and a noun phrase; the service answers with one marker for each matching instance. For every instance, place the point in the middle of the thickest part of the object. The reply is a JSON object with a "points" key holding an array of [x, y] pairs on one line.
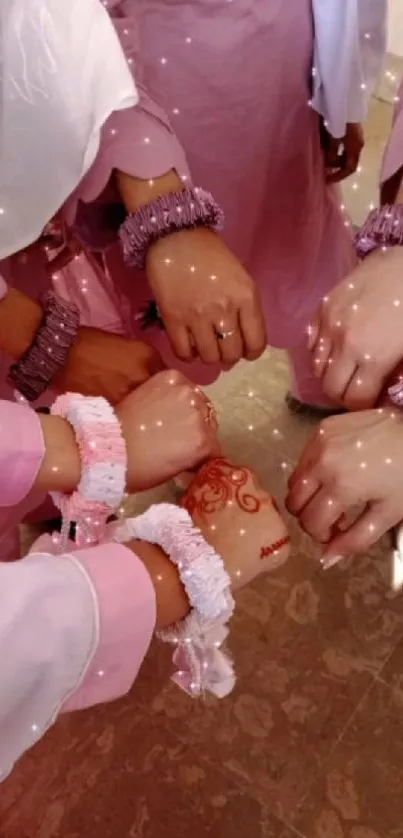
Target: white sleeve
{"points": [[350, 45], [48, 636]]}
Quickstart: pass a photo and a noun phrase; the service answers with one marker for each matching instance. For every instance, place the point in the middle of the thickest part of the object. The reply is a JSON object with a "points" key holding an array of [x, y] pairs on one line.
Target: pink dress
{"points": [[224, 92], [233, 81]]}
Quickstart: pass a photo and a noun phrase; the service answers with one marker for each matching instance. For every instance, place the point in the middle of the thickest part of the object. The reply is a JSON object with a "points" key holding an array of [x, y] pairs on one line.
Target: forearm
{"points": [[172, 603], [136, 193], [61, 466], [20, 318]]}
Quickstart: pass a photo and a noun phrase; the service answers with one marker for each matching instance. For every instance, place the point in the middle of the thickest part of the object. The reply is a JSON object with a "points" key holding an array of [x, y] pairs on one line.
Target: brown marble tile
{"points": [[359, 793], [111, 774], [272, 735], [392, 672], [306, 646]]}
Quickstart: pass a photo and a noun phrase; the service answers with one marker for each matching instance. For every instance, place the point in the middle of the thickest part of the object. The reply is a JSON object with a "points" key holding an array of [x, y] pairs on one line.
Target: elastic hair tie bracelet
{"points": [[202, 665], [104, 464]]}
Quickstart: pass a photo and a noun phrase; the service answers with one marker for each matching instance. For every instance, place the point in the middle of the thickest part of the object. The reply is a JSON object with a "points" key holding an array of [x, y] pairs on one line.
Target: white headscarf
{"points": [[350, 45], [62, 73]]}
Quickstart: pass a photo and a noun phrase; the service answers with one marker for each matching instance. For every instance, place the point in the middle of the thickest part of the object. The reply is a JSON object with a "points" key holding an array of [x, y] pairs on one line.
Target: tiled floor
{"points": [[311, 742]]}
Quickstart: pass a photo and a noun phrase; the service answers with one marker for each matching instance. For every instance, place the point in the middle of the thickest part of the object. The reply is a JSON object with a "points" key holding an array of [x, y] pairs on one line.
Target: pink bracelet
{"points": [[168, 214], [104, 464], [383, 228], [37, 367], [203, 666]]}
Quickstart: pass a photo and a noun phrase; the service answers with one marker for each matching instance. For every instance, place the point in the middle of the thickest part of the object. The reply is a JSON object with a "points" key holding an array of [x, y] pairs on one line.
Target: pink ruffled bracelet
{"points": [[383, 228], [203, 666], [37, 367], [104, 464], [168, 214]]}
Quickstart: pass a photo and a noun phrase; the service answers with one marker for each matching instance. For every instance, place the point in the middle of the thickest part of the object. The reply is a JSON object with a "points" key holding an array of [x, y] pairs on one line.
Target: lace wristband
{"points": [[383, 228], [37, 367], [168, 214], [203, 666], [104, 463]]}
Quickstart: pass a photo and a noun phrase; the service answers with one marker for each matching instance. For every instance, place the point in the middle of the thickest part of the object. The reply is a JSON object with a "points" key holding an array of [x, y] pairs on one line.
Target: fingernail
{"points": [[330, 561]]}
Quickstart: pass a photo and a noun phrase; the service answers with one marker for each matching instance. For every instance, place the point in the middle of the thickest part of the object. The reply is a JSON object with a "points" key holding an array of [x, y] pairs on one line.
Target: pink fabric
{"points": [[232, 89], [127, 614], [21, 452], [237, 103], [393, 157], [73, 632]]}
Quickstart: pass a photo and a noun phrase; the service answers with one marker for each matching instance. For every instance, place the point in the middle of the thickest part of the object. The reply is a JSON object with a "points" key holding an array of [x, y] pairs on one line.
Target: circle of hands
{"points": [[346, 490]]}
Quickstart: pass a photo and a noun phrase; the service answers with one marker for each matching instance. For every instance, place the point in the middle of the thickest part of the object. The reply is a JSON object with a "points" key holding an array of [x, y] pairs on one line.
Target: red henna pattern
{"points": [[217, 484], [275, 547]]}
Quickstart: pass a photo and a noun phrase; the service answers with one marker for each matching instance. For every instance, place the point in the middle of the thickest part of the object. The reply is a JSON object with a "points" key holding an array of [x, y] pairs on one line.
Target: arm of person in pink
{"points": [[138, 142], [74, 631]]}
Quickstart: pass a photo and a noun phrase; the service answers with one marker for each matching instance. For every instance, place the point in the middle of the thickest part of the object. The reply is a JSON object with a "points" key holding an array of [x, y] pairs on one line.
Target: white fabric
{"points": [[48, 636], [350, 45], [62, 73]]}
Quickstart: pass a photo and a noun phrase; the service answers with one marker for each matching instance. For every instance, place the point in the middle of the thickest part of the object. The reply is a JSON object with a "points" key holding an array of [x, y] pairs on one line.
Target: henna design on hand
{"points": [[218, 484], [274, 548]]}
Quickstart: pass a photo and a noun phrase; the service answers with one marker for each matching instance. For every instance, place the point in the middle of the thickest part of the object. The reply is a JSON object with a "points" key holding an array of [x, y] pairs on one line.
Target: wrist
{"points": [[171, 598], [61, 466], [136, 193]]}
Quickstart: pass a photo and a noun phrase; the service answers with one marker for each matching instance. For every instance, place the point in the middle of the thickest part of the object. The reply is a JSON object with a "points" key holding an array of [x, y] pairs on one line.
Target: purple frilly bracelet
{"points": [[170, 213], [383, 228], [37, 367]]}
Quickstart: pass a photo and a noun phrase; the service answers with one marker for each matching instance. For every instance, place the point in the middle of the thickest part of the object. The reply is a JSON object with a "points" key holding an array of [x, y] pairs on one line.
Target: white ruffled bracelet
{"points": [[202, 665]]}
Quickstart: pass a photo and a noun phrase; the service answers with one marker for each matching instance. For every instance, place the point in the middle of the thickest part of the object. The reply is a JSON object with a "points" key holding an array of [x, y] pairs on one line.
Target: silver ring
{"points": [[225, 335]]}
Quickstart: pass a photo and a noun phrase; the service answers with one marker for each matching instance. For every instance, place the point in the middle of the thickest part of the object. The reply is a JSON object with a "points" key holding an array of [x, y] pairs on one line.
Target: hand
{"points": [[103, 364], [357, 338], [352, 460], [239, 519], [342, 157], [209, 304], [169, 426]]}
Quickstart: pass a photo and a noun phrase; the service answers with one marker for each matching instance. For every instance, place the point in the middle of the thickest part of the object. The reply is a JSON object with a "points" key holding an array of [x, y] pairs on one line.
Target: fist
{"points": [[170, 426]]}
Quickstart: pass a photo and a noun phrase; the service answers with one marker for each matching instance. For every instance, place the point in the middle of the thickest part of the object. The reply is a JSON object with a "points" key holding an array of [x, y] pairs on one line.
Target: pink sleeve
{"points": [[138, 141], [393, 157], [73, 632], [21, 451]]}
